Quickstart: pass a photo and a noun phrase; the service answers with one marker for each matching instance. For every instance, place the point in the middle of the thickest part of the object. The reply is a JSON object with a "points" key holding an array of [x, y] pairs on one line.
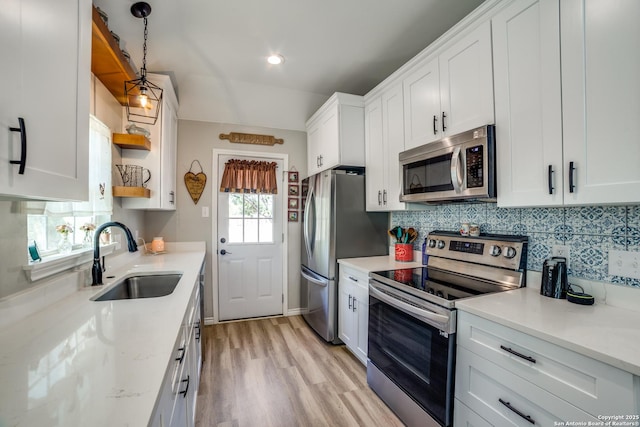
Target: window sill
{"points": [[53, 264]]}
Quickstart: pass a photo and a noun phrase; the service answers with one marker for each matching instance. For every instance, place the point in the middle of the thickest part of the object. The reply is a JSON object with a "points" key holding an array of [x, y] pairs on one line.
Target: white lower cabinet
{"points": [[353, 311], [507, 377], [176, 405]]}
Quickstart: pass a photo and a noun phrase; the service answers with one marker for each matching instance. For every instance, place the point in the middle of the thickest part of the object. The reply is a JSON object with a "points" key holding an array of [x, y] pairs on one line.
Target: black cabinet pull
{"points": [[184, 392], [179, 359], [550, 179], [173, 197], [354, 304], [350, 302], [514, 410], [379, 198], [572, 169], [435, 124], [23, 146], [520, 355], [443, 125], [197, 326], [384, 197]]}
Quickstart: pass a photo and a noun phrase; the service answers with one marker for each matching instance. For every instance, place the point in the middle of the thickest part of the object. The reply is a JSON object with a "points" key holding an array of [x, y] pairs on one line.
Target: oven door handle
{"points": [[438, 320]]}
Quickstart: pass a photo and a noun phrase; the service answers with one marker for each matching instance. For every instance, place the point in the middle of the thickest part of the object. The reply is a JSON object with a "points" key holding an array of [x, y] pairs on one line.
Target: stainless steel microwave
{"points": [[455, 168]]}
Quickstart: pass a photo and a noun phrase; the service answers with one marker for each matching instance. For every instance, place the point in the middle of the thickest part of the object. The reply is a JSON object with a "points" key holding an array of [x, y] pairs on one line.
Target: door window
{"points": [[250, 218]]}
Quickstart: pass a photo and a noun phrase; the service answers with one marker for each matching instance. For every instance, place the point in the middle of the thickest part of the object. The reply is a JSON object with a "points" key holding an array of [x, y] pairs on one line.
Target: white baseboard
{"points": [[294, 312]]}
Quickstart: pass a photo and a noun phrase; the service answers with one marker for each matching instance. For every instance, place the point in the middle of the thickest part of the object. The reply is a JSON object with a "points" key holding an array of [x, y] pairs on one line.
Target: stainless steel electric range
{"points": [[412, 319]]}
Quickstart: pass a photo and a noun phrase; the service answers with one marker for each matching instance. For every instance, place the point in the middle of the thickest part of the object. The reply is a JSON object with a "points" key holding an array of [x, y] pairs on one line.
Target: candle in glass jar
{"points": [[157, 245]]}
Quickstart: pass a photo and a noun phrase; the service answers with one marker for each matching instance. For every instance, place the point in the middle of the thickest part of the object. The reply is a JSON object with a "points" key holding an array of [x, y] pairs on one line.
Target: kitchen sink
{"points": [[147, 286]]}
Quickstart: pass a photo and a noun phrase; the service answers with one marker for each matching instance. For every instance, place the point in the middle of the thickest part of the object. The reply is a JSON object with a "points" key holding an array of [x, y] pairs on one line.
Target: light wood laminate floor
{"points": [[278, 372]]}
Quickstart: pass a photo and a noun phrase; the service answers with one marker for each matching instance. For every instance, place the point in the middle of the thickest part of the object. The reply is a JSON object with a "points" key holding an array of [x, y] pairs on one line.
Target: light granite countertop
{"points": [[605, 332], [79, 362]]}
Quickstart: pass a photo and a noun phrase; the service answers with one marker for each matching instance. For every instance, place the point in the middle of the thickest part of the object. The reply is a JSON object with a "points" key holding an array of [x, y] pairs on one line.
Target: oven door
{"points": [[407, 347]]}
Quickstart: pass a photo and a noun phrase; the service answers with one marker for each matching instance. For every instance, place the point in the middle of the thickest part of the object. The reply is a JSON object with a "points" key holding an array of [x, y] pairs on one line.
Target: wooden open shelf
{"points": [[119, 191], [131, 141], [107, 61]]}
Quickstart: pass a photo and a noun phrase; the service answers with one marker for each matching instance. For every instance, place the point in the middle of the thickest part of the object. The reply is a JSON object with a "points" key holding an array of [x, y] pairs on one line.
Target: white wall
{"points": [[196, 140]]}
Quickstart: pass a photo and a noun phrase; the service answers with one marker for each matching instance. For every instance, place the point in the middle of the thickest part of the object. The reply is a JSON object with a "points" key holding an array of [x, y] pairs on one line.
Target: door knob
{"points": [[223, 252]]}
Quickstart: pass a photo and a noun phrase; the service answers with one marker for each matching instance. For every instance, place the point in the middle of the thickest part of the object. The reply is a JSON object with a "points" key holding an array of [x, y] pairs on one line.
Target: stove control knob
{"points": [[509, 251], [431, 243], [440, 244], [495, 250], [440, 294]]}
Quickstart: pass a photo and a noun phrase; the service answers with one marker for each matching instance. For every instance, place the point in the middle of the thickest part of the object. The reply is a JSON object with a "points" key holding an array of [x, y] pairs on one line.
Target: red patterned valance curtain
{"points": [[249, 176]]}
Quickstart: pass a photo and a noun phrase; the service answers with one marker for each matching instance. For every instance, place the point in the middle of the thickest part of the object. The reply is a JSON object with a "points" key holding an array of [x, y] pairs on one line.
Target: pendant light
{"points": [[144, 99]]}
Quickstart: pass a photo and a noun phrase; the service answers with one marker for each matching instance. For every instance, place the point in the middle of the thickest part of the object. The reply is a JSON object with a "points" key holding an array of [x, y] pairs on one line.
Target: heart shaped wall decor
{"points": [[195, 182]]}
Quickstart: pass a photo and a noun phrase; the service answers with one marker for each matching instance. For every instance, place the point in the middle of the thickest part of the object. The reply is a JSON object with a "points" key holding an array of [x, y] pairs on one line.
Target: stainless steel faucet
{"points": [[96, 270]]}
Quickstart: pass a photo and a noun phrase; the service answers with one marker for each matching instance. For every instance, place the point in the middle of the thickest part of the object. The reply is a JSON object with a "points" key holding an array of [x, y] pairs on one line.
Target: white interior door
{"points": [[250, 246]]}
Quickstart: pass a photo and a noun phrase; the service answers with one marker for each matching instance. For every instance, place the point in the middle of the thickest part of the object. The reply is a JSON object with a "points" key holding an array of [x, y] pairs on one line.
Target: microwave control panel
{"points": [[475, 166]]}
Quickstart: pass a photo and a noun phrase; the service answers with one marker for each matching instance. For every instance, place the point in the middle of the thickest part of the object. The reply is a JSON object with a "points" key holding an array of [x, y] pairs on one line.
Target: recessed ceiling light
{"points": [[275, 59]]}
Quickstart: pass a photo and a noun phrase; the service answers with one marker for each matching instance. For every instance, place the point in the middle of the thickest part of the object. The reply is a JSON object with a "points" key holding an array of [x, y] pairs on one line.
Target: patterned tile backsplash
{"points": [[590, 232]]}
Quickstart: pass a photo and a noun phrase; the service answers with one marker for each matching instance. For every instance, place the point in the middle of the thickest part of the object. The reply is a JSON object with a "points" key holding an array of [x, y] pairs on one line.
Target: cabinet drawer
{"points": [[465, 417], [591, 385], [358, 278], [489, 391]]}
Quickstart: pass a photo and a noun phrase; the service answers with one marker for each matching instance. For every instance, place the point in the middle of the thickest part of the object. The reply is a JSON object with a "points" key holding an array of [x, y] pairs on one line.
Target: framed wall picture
{"points": [[293, 216], [294, 189], [293, 176], [293, 203]]}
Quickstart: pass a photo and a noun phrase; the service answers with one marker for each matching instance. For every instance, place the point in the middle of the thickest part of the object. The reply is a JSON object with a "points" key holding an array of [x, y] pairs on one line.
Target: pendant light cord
{"points": [[143, 71]]}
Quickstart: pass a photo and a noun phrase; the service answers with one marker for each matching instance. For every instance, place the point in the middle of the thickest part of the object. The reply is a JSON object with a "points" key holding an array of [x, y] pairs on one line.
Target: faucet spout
{"points": [[96, 270]]}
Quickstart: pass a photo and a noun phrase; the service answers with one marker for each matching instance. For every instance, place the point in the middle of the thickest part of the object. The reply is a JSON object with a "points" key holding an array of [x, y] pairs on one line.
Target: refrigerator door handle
{"points": [[316, 281], [309, 211]]}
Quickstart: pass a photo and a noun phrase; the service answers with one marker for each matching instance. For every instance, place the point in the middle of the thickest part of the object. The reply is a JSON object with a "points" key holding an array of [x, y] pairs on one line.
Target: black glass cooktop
{"points": [[419, 279]]}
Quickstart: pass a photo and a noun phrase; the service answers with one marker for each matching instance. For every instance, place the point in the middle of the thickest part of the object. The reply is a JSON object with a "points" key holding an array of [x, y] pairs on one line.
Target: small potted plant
{"points": [[87, 227], [64, 246]]}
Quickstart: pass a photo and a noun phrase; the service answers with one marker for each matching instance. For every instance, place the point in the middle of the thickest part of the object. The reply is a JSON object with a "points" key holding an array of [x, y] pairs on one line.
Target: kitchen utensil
{"points": [[134, 175], [394, 233], [554, 278], [413, 234]]}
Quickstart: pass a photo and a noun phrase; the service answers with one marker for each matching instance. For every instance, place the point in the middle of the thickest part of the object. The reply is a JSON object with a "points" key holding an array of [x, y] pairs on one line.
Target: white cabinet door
{"points": [[346, 320], [601, 107], [422, 105], [313, 147], [466, 82], [393, 124], [361, 314], [53, 101], [335, 134], [161, 159], [375, 156], [526, 58]]}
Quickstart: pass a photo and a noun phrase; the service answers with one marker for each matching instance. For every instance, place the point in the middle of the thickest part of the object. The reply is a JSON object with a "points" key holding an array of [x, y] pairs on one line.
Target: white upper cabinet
{"points": [[450, 93], [567, 123], [422, 105], [384, 140], [161, 159], [526, 58], [51, 101], [601, 100], [466, 82], [335, 134]]}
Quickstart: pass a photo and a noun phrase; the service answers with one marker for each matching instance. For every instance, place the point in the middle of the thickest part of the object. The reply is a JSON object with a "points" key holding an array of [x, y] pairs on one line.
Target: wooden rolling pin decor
{"points": [[251, 138]]}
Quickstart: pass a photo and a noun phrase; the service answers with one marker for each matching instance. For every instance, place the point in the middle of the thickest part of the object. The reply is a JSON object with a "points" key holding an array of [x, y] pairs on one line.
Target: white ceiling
{"points": [[216, 50]]}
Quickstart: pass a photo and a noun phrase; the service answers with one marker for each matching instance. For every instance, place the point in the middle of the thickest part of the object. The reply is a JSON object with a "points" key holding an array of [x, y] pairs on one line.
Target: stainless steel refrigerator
{"points": [[335, 225]]}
